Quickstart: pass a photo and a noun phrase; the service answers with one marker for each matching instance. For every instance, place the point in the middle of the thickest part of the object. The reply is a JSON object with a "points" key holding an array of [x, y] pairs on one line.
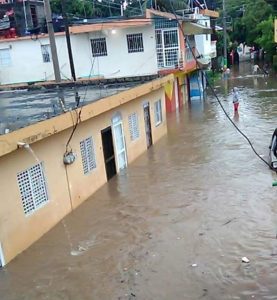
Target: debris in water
{"points": [[245, 260], [231, 220], [194, 265], [178, 238]]}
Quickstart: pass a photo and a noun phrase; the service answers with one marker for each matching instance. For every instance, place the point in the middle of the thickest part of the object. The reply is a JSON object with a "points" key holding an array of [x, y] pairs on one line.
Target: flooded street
{"points": [[198, 197]]}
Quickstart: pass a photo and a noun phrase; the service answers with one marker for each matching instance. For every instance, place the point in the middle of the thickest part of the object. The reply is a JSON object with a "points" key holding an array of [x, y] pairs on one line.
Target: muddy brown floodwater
{"points": [[199, 196]]}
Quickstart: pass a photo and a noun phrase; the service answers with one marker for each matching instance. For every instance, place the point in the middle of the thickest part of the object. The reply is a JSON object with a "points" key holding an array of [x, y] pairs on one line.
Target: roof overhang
{"points": [[190, 28], [203, 62], [162, 14], [209, 13], [109, 25]]}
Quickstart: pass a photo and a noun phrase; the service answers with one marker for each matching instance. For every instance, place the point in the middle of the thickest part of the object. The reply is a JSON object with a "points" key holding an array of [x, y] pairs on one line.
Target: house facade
{"points": [[44, 174], [125, 51]]}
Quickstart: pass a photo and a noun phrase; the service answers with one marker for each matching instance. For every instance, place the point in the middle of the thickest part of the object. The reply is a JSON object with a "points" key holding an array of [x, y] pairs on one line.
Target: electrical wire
{"points": [[216, 97], [81, 103]]}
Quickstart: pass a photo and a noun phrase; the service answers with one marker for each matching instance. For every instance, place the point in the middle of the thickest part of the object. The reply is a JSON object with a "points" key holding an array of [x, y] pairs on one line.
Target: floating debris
{"points": [[194, 265], [245, 260]]}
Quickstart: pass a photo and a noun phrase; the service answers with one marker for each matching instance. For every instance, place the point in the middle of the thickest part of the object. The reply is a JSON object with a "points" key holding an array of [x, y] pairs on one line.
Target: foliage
{"points": [[265, 38], [251, 22]]}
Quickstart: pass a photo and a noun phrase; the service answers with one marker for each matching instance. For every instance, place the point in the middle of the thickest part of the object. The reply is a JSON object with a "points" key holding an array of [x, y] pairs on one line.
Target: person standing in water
{"points": [[235, 99]]}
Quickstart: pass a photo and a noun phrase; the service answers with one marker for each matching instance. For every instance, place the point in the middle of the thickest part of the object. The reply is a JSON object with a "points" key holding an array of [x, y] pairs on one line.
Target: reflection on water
{"points": [[199, 196]]}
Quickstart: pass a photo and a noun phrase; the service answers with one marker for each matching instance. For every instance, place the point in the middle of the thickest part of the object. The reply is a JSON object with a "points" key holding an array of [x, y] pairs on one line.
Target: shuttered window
{"points": [[135, 42], [133, 126], [99, 47], [46, 53], [5, 57], [88, 155], [158, 112], [32, 186]]}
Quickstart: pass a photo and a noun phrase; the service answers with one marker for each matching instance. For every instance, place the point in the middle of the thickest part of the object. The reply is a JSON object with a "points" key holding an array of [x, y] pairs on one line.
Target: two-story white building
{"points": [[107, 50]]}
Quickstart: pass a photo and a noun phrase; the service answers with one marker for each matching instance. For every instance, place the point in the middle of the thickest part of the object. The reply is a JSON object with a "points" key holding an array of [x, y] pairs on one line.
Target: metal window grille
{"points": [[158, 112], [88, 155], [32, 186], [133, 126], [5, 57], [167, 46], [99, 47], [135, 42], [46, 53], [161, 23]]}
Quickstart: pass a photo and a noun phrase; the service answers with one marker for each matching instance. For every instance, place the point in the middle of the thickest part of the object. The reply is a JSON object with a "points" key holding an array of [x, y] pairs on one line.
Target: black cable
{"points": [[215, 95], [78, 115]]}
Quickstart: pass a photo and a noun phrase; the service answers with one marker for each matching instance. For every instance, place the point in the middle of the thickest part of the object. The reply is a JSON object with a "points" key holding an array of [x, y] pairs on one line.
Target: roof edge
{"points": [[44, 129]]}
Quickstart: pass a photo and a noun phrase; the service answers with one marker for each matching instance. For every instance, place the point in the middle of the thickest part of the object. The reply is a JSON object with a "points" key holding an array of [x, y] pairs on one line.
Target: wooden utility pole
{"points": [[52, 41], [224, 33]]}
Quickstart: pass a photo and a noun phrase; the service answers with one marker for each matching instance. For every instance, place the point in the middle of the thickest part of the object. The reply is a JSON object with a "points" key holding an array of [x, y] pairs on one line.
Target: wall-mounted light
{"points": [[113, 31]]}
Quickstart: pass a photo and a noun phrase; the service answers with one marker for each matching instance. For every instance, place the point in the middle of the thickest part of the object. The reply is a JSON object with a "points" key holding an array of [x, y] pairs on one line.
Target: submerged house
{"points": [[47, 169], [50, 167]]}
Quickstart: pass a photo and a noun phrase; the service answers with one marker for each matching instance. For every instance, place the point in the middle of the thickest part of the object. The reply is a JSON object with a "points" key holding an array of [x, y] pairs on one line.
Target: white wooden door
{"points": [[119, 140], [2, 261]]}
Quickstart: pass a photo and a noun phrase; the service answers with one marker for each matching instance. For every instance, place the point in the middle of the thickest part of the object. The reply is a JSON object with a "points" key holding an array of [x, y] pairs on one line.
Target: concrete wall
{"points": [[120, 63], [203, 41], [66, 190], [27, 64]]}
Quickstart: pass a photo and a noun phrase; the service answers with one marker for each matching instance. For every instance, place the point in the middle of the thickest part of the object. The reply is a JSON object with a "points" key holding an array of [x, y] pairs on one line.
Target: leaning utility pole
{"points": [[224, 33], [69, 49], [51, 34]]}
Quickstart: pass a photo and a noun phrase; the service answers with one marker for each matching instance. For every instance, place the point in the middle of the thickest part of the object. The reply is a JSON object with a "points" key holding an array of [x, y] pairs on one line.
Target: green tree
{"points": [[265, 38]]}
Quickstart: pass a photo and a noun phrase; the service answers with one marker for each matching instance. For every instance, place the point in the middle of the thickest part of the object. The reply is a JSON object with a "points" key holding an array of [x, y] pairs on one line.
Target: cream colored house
{"points": [[38, 189]]}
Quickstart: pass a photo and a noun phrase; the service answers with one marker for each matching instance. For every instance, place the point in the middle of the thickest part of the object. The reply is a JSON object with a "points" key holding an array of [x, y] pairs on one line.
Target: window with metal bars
{"points": [[99, 47], [133, 126], [5, 57], [88, 155], [46, 53], [135, 42], [167, 46], [32, 186], [158, 112]]}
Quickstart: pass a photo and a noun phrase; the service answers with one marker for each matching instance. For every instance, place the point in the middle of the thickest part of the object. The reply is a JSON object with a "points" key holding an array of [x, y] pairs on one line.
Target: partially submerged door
{"points": [[2, 262], [119, 141], [108, 151], [147, 124]]}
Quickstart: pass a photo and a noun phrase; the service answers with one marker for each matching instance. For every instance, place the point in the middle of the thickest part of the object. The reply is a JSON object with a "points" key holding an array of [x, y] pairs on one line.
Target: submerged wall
{"points": [[67, 187]]}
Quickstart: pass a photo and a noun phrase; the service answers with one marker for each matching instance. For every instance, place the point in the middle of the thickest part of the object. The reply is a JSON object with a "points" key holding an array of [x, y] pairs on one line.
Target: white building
{"points": [[205, 47], [100, 50]]}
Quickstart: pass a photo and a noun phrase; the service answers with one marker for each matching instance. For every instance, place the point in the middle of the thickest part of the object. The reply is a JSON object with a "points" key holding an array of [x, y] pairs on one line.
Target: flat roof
{"points": [[39, 120], [21, 108], [116, 24]]}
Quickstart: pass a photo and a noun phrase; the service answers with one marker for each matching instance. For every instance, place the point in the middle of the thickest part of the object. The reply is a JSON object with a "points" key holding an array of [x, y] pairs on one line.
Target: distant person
{"points": [[226, 72], [235, 99], [266, 69], [256, 68]]}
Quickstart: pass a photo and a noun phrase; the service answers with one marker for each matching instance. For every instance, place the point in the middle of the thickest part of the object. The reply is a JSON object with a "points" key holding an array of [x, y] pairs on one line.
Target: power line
{"points": [[218, 100]]}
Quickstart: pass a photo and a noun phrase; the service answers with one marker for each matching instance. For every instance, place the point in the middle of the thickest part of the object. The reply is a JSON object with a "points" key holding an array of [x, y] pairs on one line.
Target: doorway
{"points": [[147, 121], [2, 261], [108, 151], [119, 141]]}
